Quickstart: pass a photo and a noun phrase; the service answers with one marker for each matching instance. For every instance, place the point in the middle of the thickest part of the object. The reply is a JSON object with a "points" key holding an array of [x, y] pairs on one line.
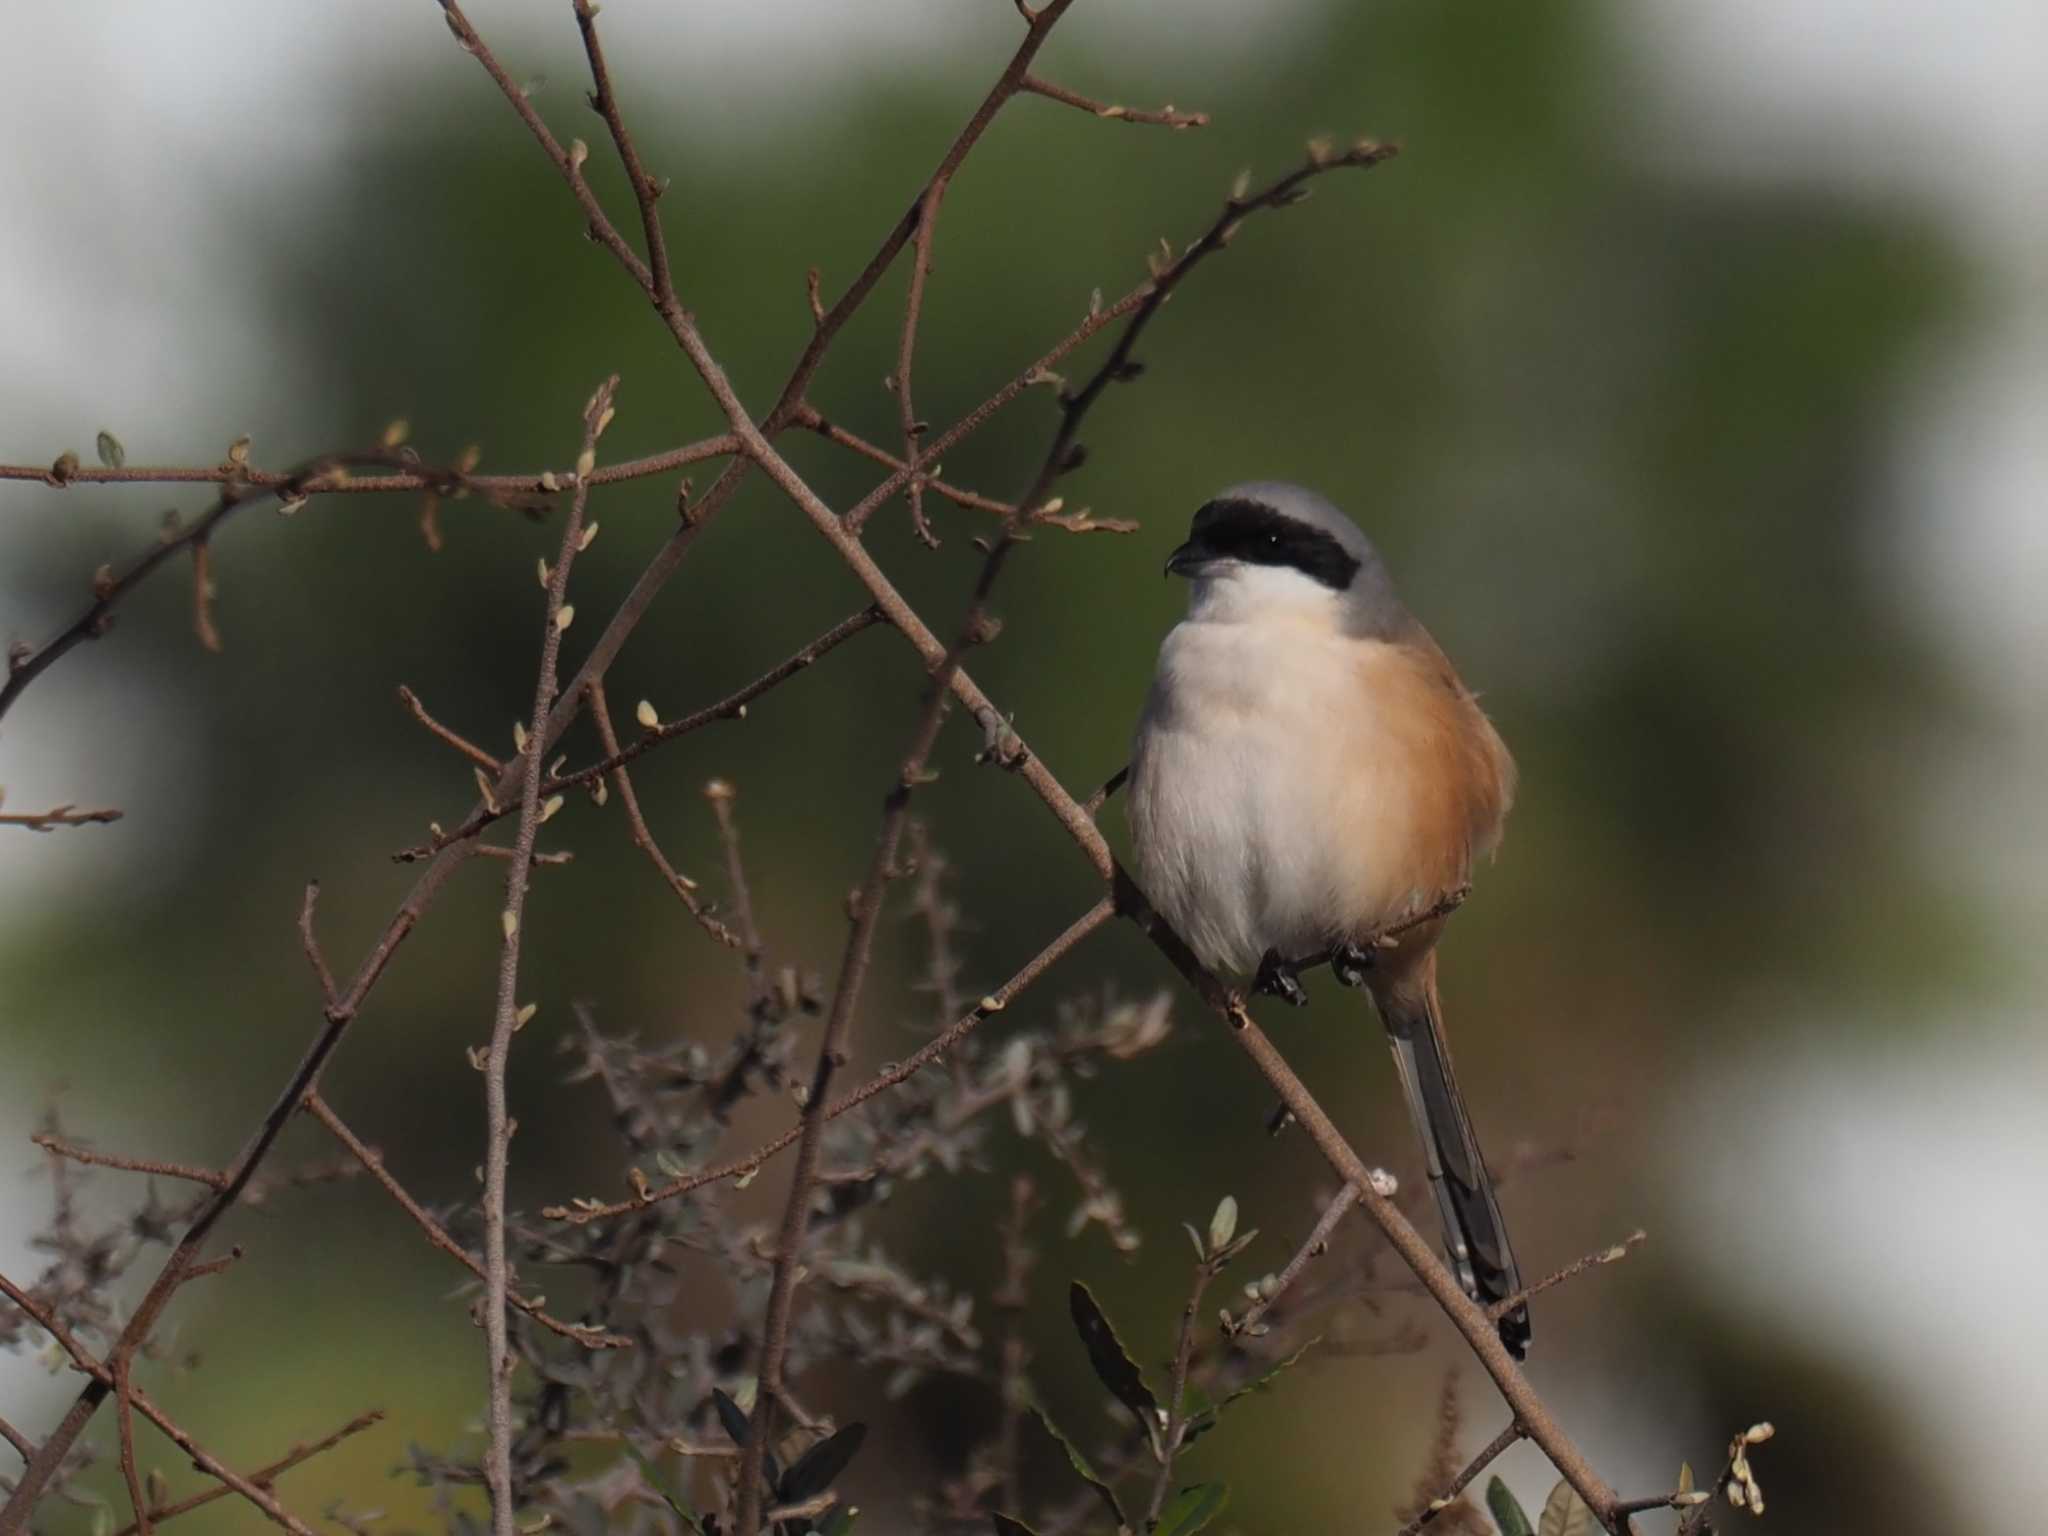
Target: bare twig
{"points": [[212, 1178], [263, 1476], [460, 743], [24, 1447], [1317, 1244], [57, 816], [1163, 117], [833, 1052], [373, 1164], [732, 707], [932, 1050], [1609, 1255], [498, 1143], [1494, 1449], [684, 887]]}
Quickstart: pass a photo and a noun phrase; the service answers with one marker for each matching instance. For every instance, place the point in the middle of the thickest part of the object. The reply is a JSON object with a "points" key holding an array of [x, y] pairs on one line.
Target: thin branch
{"points": [[373, 1164], [104, 1379], [1317, 1244], [265, 1475], [721, 796], [906, 352], [460, 743], [24, 1447], [66, 815], [338, 1013], [1174, 1432], [1495, 1447], [1164, 117], [526, 483], [684, 887], [1609, 1255], [212, 1178], [556, 617], [584, 1211], [833, 1052], [732, 707]]}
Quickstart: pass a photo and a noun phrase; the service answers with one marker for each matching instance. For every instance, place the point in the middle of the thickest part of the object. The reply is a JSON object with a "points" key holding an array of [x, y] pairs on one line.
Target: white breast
{"points": [[1261, 815]]}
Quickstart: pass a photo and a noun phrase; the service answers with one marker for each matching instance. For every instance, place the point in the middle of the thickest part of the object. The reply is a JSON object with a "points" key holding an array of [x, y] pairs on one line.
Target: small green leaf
{"points": [[652, 1478], [1566, 1514], [111, 453], [1685, 1477], [1191, 1509], [1507, 1509], [1080, 1464], [812, 1473], [1006, 1526], [1112, 1362], [1223, 1224]]}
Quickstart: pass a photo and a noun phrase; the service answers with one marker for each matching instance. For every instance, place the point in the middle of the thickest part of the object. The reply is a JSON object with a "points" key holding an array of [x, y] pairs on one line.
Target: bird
{"points": [[1309, 771]]}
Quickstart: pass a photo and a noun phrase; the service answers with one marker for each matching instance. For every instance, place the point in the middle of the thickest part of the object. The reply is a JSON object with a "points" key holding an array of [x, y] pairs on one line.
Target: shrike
{"points": [[1308, 771]]}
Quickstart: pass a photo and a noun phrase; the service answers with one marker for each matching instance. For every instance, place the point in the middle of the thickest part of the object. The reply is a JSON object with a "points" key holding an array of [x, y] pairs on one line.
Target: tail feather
{"points": [[1474, 1232]]}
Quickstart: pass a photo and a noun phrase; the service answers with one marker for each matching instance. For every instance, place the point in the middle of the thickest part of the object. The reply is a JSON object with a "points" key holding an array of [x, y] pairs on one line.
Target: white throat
{"points": [[1235, 592]]}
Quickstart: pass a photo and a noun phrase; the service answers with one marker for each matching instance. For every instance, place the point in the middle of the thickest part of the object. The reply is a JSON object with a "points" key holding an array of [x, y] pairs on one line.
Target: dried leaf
{"points": [[1566, 1514]]}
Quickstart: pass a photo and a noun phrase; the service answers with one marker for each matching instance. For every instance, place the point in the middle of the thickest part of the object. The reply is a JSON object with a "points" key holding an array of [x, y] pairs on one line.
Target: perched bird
{"points": [[1309, 771]]}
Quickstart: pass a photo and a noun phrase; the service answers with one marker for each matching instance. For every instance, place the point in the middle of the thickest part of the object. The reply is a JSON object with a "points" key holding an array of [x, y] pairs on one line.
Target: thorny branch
{"points": [[749, 444], [556, 618]]}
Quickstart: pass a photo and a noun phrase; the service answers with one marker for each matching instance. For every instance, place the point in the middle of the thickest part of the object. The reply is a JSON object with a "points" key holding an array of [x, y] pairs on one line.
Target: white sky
{"points": [[114, 284]]}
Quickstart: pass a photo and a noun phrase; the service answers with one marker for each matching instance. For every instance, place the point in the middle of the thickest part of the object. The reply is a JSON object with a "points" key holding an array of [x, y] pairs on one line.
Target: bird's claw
{"points": [[1350, 964], [1280, 978]]}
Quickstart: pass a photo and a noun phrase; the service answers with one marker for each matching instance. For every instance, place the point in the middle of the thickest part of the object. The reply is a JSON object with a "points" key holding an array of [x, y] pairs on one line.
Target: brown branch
{"points": [[833, 1052], [1164, 117], [556, 617], [685, 888], [1609, 1255], [105, 1379], [24, 1447], [732, 707], [1495, 1447], [265, 1475], [338, 1013], [1317, 1244], [441, 482], [811, 420], [1173, 1433], [212, 1178], [202, 596], [646, 191], [932, 1050], [372, 1161], [906, 351], [1039, 372], [460, 743], [124, 1418], [66, 815]]}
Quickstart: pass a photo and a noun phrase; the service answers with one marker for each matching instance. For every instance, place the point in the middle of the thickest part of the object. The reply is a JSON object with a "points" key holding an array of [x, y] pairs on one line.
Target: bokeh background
{"points": [[1688, 366]]}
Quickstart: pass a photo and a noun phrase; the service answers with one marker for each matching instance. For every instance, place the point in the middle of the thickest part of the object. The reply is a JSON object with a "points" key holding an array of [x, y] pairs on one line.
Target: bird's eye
{"points": [[1273, 540]]}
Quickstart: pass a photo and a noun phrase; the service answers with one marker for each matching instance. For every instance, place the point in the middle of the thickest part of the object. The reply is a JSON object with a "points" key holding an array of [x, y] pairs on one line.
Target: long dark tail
{"points": [[1474, 1232]]}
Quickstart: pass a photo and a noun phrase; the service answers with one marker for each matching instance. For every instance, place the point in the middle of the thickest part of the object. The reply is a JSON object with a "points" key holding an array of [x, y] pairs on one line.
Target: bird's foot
{"points": [[1351, 963], [1280, 978]]}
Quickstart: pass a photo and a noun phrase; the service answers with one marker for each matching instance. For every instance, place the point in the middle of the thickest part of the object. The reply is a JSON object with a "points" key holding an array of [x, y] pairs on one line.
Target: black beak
{"points": [[1186, 560]]}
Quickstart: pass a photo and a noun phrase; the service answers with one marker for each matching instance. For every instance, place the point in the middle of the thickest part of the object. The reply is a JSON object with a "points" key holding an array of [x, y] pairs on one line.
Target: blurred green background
{"points": [[1626, 427]]}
